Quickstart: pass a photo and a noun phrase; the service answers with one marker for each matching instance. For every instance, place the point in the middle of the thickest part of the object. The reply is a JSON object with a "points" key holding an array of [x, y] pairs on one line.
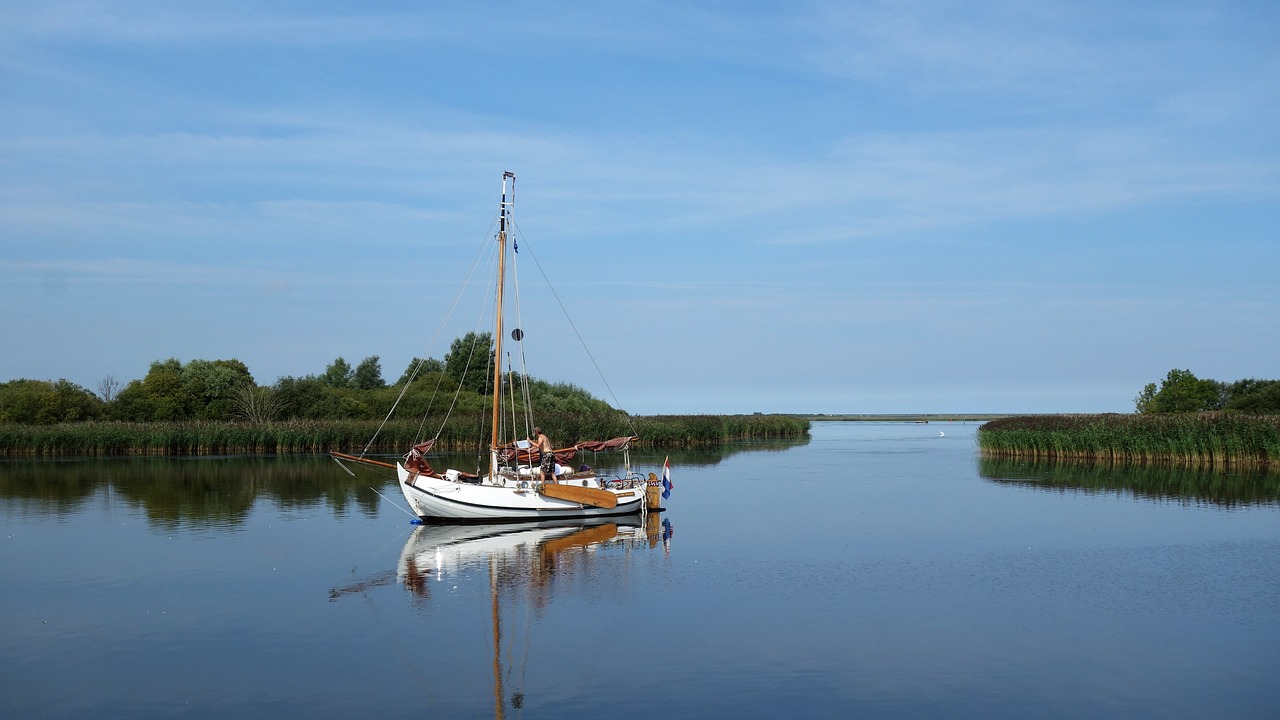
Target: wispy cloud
{"points": [[729, 165]]}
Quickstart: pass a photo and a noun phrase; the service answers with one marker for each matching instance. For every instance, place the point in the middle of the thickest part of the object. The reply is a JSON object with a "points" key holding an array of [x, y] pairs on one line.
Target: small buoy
{"points": [[416, 521]]}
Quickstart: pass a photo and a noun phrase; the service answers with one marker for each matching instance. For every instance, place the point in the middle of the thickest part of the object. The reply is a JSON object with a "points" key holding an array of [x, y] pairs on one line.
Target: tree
{"points": [[339, 374], [108, 388], [564, 397], [40, 402], [1146, 400], [255, 404], [368, 374], [173, 391], [419, 367], [306, 397], [470, 361], [211, 385], [161, 395], [1182, 392], [1256, 397]]}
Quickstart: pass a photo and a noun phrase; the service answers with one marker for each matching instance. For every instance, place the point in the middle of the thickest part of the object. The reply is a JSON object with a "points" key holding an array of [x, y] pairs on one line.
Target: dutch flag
{"points": [[666, 478]]}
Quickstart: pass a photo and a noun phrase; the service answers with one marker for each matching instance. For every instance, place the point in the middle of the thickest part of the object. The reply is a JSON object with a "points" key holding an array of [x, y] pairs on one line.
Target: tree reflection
{"points": [[175, 493]]}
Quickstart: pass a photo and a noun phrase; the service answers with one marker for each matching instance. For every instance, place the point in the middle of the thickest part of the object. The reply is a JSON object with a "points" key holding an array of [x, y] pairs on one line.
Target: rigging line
{"points": [[524, 365], [483, 252], [422, 423], [430, 404], [511, 385], [490, 359], [470, 354], [581, 341], [421, 361]]}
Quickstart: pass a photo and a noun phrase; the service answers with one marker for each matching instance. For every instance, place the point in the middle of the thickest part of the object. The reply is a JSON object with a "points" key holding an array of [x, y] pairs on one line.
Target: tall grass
{"points": [[710, 430], [1184, 439], [319, 436]]}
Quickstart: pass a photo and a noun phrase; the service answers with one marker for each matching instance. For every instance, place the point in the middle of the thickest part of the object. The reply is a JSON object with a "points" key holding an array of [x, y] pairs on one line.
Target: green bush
{"points": [[40, 402]]}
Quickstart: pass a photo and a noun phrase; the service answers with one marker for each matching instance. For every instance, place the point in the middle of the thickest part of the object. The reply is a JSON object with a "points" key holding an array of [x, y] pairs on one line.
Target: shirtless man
{"points": [[546, 455]]}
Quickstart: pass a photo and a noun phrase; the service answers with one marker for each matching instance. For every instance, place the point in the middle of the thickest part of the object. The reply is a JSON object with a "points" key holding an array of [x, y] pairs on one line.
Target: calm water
{"points": [[874, 571]]}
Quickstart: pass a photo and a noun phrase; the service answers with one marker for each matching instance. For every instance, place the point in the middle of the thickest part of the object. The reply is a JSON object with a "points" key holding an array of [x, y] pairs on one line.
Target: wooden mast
{"points": [[497, 336]]}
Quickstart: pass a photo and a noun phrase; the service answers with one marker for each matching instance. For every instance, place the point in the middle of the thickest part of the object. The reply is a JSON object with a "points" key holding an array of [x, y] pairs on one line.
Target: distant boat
{"points": [[513, 488]]}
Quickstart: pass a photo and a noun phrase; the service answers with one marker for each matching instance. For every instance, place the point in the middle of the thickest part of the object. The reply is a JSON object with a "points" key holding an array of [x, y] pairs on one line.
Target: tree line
{"points": [[224, 390], [1182, 392]]}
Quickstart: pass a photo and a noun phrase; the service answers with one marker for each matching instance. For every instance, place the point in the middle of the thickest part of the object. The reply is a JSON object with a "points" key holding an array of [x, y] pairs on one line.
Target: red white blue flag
{"points": [[666, 478]]}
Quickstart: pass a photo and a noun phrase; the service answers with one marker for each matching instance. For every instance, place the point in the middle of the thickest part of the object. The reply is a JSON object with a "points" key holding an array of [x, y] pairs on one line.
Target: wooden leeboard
{"points": [[581, 539], [587, 496]]}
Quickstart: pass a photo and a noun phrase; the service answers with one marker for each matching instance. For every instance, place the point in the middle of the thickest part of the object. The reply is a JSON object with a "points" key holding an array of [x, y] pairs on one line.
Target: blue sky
{"points": [[795, 207]]}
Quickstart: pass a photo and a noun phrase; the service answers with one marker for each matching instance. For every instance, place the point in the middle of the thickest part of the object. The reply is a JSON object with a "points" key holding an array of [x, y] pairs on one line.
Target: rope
{"points": [[453, 304], [384, 497], [524, 366], [581, 341]]}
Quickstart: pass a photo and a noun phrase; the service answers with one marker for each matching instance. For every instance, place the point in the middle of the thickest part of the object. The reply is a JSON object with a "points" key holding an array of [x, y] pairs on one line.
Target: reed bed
{"points": [[1201, 439], [711, 430], [320, 436]]}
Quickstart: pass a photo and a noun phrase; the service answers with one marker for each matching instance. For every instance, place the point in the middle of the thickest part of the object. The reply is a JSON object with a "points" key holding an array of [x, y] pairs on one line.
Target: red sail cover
{"points": [[415, 463], [598, 445], [563, 455], [530, 456]]}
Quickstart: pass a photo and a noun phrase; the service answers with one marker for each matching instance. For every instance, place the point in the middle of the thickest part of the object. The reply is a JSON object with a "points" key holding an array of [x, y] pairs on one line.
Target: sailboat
{"points": [[513, 488]]}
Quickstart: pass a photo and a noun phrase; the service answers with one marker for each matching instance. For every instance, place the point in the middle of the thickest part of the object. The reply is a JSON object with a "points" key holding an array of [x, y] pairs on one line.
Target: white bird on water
{"points": [[941, 434]]}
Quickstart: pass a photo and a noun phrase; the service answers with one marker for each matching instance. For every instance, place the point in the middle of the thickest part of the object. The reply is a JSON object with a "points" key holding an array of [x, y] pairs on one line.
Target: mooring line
{"points": [[393, 502]]}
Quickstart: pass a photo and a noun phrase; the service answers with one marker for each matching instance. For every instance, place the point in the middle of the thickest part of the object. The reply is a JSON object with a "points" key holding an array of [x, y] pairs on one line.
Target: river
{"points": [[874, 570]]}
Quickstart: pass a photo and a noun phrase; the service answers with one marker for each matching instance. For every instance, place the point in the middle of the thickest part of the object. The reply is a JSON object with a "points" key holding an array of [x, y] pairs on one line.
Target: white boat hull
{"points": [[432, 497]]}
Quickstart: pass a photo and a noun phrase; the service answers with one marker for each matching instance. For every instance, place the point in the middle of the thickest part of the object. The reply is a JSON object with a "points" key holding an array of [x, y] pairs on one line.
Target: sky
{"points": [[802, 207]]}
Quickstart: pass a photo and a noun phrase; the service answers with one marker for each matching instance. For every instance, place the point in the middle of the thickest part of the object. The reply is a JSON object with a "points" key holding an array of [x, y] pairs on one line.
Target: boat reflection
{"points": [[525, 555], [524, 563]]}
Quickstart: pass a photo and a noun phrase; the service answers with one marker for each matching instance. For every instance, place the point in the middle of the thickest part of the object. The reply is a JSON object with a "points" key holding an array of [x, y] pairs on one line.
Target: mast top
{"points": [[502, 209]]}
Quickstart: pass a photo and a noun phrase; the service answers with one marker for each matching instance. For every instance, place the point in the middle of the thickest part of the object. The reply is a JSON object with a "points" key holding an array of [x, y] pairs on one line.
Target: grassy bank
{"points": [[1187, 439], [303, 436]]}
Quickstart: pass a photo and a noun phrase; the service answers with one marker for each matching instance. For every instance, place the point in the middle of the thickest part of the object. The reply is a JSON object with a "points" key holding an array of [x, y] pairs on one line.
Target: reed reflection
{"points": [[1225, 487]]}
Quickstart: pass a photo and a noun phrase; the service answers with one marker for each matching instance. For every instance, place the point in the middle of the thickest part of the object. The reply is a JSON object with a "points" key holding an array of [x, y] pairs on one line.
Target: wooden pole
{"points": [[366, 461]]}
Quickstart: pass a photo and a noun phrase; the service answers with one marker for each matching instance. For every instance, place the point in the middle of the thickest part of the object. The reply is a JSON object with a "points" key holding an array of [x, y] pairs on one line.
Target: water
{"points": [[878, 570]]}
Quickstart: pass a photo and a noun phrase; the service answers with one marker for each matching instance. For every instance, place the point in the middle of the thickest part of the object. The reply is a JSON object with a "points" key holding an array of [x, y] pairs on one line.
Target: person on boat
{"points": [[546, 455]]}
